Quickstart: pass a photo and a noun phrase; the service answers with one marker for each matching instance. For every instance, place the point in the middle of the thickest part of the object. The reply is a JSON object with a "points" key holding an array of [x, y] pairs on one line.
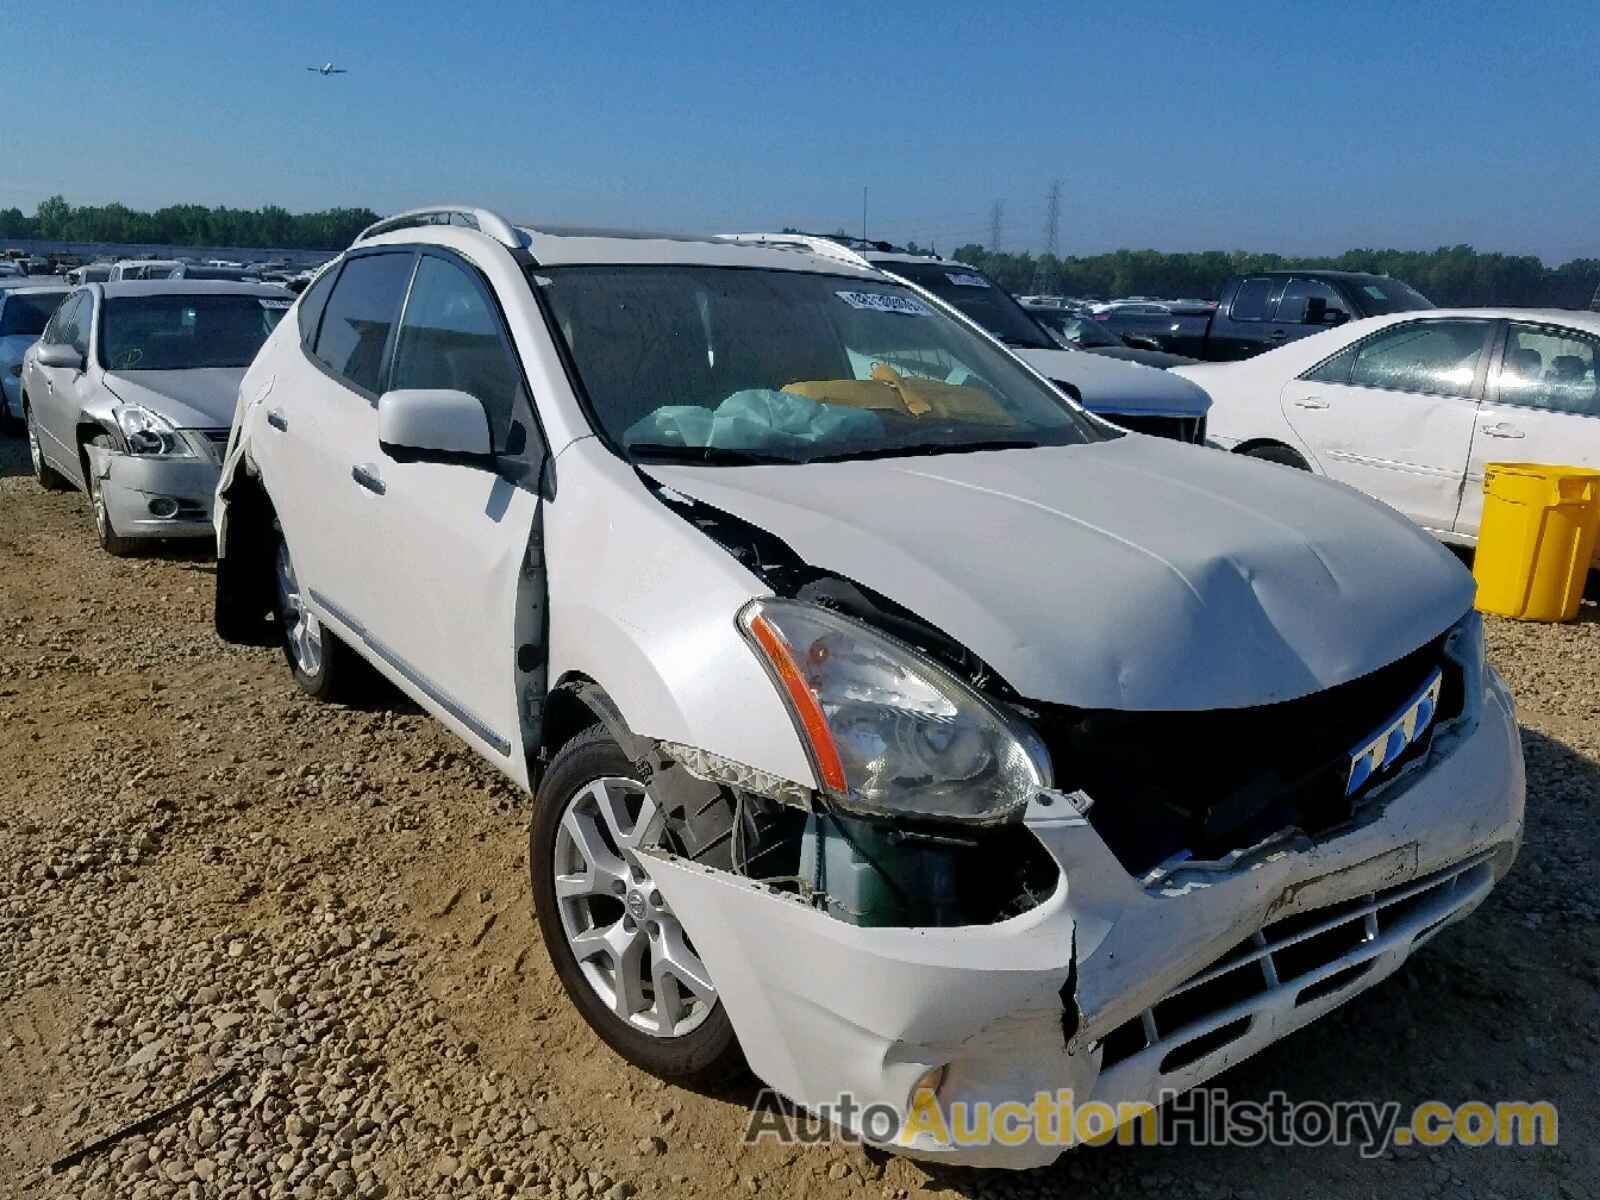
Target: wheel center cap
{"points": [[635, 905]]}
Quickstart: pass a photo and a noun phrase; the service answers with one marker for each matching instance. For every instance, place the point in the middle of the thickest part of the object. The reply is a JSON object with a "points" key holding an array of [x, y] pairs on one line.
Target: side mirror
{"points": [[59, 354], [434, 424]]}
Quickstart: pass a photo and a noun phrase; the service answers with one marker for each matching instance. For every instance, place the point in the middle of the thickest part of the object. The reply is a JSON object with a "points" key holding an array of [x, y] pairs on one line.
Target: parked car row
{"points": [[1410, 406], [78, 272], [898, 728]]}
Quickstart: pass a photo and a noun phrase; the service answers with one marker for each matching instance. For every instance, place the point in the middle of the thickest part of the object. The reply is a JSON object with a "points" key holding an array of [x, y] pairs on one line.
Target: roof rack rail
{"points": [[462, 215], [826, 247]]}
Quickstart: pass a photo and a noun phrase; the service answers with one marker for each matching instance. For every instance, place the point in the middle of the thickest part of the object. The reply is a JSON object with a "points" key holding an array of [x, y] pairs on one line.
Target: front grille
{"points": [[1291, 964], [1180, 429], [1208, 782]]}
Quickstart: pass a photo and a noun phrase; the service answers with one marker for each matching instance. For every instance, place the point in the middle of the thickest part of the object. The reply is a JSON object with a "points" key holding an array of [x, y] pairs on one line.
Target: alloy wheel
{"points": [[35, 452], [302, 630], [102, 519], [630, 946]]}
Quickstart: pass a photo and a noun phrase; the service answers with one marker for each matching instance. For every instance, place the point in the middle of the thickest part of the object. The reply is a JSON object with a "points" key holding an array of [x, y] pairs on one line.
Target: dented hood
{"points": [[197, 398], [1135, 573]]}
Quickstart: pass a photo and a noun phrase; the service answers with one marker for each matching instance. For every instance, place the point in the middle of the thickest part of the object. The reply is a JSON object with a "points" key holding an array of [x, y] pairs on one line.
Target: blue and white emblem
{"points": [[1400, 731]]}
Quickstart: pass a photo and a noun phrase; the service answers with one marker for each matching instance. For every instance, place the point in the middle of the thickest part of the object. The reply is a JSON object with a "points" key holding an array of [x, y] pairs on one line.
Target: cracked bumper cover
{"points": [[128, 482], [822, 1007]]}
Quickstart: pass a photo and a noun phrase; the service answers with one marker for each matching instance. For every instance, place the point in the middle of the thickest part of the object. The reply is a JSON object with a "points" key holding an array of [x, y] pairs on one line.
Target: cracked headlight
{"points": [[150, 433], [890, 732]]}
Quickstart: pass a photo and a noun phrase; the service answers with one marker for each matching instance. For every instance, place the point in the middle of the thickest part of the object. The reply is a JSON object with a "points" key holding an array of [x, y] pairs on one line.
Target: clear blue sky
{"points": [[1289, 126]]}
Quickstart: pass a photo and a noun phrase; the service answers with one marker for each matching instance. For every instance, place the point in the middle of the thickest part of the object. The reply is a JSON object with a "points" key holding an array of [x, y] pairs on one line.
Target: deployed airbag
{"points": [[755, 419]]}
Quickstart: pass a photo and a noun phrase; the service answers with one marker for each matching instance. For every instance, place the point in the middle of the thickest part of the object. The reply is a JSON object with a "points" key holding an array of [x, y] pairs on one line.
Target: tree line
{"points": [[188, 225], [1451, 276]]}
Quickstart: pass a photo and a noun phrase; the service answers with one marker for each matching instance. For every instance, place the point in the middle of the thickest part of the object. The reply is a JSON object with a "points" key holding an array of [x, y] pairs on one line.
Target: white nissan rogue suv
{"points": [[896, 727]]}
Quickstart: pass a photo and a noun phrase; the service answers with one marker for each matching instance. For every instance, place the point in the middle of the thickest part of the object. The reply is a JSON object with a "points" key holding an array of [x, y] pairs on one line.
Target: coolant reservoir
{"points": [[875, 874]]}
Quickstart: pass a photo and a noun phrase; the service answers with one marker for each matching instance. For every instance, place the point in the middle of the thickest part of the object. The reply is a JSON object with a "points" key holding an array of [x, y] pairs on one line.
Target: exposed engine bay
{"points": [[1160, 788]]}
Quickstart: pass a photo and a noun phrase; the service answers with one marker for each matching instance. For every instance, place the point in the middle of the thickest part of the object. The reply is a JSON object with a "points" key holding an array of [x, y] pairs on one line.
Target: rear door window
{"points": [[1549, 368], [360, 315], [1251, 302], [312, 304]]}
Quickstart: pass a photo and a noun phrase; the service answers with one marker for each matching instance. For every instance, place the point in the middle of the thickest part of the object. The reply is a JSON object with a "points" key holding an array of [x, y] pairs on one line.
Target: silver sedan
{"points": [[129, 392]]}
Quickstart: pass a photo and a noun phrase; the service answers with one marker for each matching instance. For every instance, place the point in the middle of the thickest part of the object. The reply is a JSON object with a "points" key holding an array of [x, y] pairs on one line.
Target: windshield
{"points": [[25, 315], [727, 366], [174, 333], [1381, 295], [1079, 330], [988, 305]]}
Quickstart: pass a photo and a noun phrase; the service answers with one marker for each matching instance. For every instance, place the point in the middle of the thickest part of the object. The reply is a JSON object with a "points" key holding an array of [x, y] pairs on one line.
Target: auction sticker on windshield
{"points": [[967, 280], [884, 302]]}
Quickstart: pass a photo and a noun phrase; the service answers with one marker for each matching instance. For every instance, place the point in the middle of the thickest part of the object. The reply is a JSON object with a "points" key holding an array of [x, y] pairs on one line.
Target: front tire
{"points": [[323, 666], [47, 476], [621, 953]]}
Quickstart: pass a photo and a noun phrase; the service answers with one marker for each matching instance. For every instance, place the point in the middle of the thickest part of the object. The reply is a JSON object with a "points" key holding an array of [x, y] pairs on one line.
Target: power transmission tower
{"points": [[997, 215], [1043, 279]]}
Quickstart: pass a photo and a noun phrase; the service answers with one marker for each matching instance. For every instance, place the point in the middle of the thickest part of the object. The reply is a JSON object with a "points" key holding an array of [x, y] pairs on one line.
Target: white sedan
{"points": [[1409, 407]]}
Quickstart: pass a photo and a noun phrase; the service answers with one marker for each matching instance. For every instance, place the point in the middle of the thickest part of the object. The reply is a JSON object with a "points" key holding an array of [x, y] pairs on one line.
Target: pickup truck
{"points": [[1265, 309]]}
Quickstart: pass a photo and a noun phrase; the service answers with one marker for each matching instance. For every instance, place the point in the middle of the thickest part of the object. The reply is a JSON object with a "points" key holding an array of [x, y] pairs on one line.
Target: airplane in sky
{"points": [[328, 69]]}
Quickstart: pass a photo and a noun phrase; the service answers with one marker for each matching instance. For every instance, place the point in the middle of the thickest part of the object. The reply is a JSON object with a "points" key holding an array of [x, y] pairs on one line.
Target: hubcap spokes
{"points": [[301, 628], [629, 944]]}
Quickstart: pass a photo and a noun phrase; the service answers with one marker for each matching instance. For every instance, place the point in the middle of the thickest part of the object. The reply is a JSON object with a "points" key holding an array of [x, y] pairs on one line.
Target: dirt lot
{"points": [[202, 870]]}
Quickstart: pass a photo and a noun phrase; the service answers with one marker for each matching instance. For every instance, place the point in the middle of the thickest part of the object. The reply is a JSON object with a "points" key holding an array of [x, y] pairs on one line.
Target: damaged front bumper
{"points": [[154, 497], [1117, 988]]}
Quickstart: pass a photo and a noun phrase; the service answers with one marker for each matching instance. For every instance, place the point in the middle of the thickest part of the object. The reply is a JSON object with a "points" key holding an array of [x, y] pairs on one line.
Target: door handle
{"points": [[278, 421], [367, 477], [1311, 402], [49, 384], [1502, 430], [1277, 335]]}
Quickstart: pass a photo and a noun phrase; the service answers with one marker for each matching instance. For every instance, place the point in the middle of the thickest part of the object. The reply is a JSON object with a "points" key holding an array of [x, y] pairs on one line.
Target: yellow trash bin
{"points": [[1536, 540]]}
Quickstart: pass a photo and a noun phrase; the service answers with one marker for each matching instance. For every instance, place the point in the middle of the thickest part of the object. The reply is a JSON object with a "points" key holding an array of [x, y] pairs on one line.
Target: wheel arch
{"points": [[85, 430], [574, 704], [243, 613], [1262, 443]]}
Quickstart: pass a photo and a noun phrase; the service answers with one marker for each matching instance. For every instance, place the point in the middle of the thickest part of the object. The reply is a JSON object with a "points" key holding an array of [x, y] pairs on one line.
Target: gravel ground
{"points": [[204, 874]]}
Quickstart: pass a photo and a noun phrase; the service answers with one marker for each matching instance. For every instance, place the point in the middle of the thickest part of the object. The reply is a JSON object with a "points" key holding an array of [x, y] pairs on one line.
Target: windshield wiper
{"points": [[923, 448], [718, 456]]}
